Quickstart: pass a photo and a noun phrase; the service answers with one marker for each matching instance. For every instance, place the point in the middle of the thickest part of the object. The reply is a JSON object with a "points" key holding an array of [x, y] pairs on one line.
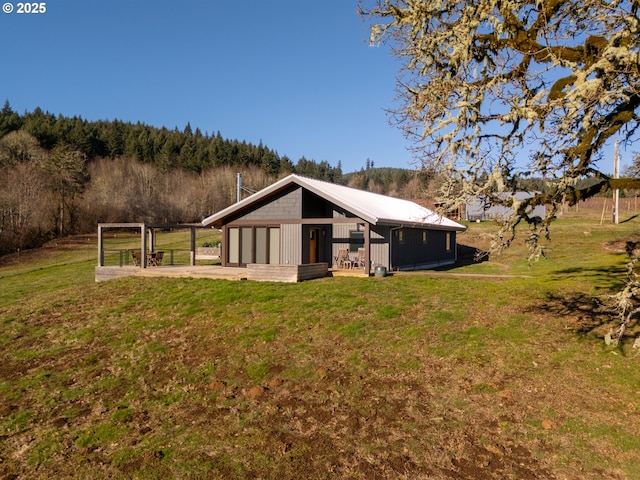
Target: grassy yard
{"points": [[415, 376]]}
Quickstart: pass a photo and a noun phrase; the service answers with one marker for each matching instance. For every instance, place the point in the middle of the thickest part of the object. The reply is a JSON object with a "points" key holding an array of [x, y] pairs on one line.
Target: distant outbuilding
{"points": [[478, 209]]}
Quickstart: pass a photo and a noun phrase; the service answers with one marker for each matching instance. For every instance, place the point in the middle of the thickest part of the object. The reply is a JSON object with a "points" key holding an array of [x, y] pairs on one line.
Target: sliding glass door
{"points": [[253, 245]]}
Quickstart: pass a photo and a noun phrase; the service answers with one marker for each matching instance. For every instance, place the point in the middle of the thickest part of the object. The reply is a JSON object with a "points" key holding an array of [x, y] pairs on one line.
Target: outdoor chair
{"points": [[154, 259], [342, 258], [136, 258]]}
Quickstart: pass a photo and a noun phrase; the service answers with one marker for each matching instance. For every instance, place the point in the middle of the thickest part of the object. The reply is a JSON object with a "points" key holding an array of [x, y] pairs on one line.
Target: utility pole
{"points": [[239, 188], [616, 192]]}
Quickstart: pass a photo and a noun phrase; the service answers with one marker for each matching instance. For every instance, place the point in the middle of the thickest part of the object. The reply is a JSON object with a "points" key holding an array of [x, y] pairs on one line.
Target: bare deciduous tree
{"points": [[24, 214], [67, 178], [19, 146], [126, 190]]}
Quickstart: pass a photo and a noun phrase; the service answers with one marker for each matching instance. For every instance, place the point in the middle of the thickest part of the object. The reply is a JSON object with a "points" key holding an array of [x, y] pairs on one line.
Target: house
{"points": [[299, 220], [477, 209]]}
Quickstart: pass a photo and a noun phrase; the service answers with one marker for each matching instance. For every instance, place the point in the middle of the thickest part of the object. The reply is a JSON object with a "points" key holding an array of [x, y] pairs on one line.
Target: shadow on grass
{"points": [[633, 217], [589, 315], [466, 256], [604, 278], [585, 313]]}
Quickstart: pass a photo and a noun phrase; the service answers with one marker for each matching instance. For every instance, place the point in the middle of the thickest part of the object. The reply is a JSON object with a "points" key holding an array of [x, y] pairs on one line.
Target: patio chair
{"points": [[342, 258], [136, 258], [154, 259]]}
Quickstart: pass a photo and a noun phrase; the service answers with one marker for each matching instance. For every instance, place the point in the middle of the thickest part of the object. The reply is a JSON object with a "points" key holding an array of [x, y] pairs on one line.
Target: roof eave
{"points": [[426, 226]]}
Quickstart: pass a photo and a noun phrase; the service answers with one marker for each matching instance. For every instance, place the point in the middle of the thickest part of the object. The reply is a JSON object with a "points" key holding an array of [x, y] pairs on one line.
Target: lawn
{"points": [[436, 375]]}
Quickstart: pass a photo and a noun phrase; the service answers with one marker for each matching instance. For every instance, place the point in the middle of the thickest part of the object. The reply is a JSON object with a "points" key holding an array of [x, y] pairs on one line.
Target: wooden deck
{"points": [[347, 272], [175, 271], [198, 271]]}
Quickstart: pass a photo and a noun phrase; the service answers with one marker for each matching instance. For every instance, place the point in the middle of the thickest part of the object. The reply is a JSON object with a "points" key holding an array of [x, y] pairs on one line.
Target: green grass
{"points": [[332, 378]]}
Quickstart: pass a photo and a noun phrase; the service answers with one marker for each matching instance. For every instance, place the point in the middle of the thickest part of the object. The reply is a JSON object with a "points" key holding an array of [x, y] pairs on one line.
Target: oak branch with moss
{"points": [[493, 92]]}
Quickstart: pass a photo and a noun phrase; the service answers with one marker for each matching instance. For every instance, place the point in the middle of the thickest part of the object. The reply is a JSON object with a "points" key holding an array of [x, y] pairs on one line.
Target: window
{"points": [[246, 242], [234, 245], [274, 245], [448, 242], [356, 240], [261, 244], [425, 237]]}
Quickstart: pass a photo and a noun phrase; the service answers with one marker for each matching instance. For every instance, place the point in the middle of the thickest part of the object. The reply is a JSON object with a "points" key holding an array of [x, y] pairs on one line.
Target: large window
{"points": [[254, 245]]}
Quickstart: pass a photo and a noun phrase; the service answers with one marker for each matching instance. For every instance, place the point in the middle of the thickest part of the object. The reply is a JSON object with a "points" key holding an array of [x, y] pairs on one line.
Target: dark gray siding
{"points": [[288, 205], [410, 251]]}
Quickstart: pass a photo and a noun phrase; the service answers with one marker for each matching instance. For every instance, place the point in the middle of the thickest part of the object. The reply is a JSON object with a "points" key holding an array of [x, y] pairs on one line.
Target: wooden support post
{"points": [[224, 246], [152, 239], [100, 247], [143, 246], [192, 248]]}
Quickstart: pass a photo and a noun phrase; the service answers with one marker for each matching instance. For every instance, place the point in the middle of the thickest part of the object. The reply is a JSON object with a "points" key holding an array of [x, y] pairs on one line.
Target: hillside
{"points": [[500, 373]]}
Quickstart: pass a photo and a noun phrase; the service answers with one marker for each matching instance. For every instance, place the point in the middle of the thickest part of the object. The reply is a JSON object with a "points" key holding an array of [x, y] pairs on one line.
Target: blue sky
{"points": [[297, 75]]}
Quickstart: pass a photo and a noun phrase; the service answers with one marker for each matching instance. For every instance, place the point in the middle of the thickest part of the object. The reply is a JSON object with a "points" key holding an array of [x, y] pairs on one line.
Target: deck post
{"points": [[143, 246], [100, 247], [152, 239], [224, 246], [192, 248]]}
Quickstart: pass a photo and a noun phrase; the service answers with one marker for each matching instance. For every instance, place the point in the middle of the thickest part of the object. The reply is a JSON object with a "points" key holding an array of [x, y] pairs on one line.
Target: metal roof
{"points": [[372, 207]]}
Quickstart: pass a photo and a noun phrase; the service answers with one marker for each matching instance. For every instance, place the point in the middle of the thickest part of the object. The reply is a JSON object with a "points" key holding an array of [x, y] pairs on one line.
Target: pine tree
{"points": [[9, 120]]}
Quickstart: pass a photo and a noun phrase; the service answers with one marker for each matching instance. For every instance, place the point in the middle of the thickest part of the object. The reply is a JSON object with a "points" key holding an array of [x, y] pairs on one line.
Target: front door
{"points": [[313, 245]]}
